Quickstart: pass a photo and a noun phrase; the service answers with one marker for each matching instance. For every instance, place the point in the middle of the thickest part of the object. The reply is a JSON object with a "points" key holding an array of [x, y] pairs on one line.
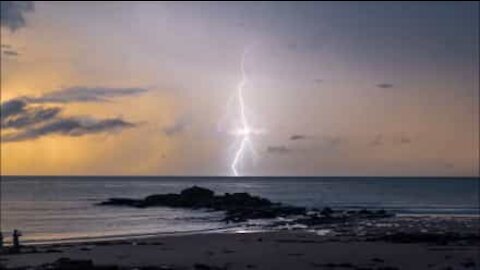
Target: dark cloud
{"points": [[332, 140], [318, 80], [85, 94], [380, 140], [69, 127], [297, 137], [281, 149], [29, 117], [10, 53], [179, 126], [384, 85], [12, 107], [377, 141], [448, 165], [12, 13], [403, 139], [17, 114]]}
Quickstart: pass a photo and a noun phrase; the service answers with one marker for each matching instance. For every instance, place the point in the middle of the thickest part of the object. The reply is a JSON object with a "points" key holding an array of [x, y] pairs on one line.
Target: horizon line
{"points": [[247, 176]]}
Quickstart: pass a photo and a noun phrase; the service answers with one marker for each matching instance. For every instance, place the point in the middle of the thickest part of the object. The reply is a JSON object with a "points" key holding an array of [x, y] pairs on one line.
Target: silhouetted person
{"points": [[16, 240], [1, 241]]}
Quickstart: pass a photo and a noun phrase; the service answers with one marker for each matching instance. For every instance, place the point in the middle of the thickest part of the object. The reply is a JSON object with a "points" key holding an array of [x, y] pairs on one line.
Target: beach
{"points": [[393, 243]]}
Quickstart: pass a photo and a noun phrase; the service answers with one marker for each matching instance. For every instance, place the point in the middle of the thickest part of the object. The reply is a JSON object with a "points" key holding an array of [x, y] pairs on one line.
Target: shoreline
{"points": [[428, 243], [241, 227], [97, 239]]}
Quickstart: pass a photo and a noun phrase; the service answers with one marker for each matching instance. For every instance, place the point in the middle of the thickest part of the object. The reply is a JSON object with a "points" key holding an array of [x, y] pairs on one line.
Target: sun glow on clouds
{"points": [[99, 153]]}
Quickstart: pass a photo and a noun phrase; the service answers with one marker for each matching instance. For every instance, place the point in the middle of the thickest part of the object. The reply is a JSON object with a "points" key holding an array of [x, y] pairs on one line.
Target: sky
{"points": [[329, 89]]}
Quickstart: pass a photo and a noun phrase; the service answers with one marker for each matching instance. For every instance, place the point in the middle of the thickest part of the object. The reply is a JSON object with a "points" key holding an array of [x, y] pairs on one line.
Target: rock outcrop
{"points": [[238, 207]]}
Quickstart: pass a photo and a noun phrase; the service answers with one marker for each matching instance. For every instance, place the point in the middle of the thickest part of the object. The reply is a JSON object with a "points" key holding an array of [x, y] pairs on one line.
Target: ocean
{"points": [[59, 209]]}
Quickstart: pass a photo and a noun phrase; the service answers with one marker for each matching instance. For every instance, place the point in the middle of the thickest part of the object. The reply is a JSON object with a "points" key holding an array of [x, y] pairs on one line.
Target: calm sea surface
{"points": [[62, 208]]}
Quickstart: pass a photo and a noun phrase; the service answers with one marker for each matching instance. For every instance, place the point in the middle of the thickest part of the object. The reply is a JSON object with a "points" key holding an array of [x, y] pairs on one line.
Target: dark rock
{"points": [[365, 212], [200, 266], [166, 267], [197, 193], [173, 200], [318, 220], [327, 212], [51, 250], [239, 214], [238, 207], [123, 202], [334, 265], [69, 264], [329, 216], [431, 238], [469, 264]]}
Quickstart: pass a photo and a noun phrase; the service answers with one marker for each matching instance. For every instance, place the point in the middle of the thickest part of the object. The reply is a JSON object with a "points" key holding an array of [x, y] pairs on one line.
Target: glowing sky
{"points": [[142, 88]]}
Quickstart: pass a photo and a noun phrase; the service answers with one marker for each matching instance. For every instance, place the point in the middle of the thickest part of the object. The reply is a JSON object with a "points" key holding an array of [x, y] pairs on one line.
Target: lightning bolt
{"points": [[245, 131]]}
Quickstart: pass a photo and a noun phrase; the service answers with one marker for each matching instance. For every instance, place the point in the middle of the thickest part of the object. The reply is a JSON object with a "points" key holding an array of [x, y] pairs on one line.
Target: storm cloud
{"points": [[381, 140], [403, 139], [297, 137], [28, 118], [12, 107], [332, 141], [85, 94], [384, 85], [18, 114], [69, 127], [377, 141], [10, 53], [12, 13], [178, 126], [280, 149]]}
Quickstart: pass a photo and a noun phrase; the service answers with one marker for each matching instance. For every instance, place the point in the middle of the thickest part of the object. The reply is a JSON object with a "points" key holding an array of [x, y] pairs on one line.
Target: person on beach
{"points": [[16, 240]]}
